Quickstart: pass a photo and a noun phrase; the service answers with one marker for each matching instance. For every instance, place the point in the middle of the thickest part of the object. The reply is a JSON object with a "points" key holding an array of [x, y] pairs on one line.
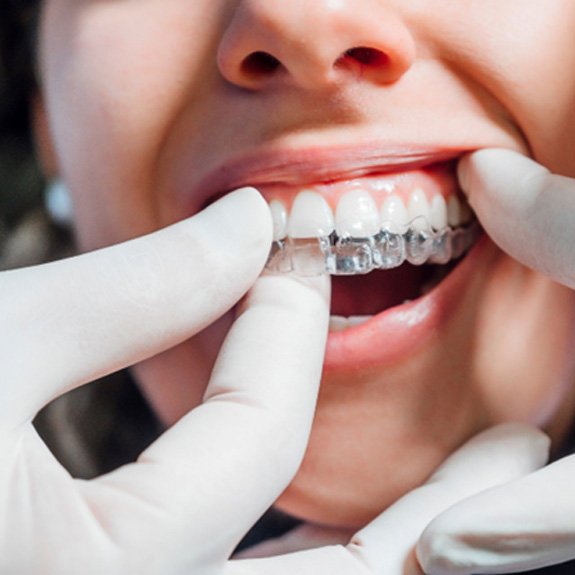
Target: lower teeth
{"points": [[339, 323], [353, 256]]}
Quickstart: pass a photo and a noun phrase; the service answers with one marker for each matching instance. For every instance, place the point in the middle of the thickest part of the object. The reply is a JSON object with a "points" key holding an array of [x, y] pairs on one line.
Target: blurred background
{"points": [[98, 426], [21, 181], [27, 234]]}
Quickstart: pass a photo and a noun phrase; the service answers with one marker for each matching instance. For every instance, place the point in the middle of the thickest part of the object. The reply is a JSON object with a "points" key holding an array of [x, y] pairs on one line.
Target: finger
{"points": [[524, 525], [305, 536], [386, 546], [72, 321], [333, 560], [526, 210], [493, 457], [228, 460]]}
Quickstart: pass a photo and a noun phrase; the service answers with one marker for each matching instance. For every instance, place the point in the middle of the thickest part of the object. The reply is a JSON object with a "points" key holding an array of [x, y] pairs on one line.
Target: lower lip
{"points": [[401, 331]]}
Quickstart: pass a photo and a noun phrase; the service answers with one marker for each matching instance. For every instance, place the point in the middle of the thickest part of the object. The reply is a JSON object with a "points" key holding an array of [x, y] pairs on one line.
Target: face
{"points": [[156, 107]]}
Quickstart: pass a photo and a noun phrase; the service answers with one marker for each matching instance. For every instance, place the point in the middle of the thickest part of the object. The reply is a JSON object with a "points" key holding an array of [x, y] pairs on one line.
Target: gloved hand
{"points": [[192, 494], [529, 523], [524, 209], [387, 545]]}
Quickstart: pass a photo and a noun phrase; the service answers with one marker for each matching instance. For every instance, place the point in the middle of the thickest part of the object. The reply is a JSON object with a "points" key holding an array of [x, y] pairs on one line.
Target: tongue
{"points": [[376, 291]]}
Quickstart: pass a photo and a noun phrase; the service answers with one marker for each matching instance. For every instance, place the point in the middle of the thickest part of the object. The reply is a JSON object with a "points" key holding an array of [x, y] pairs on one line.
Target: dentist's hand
{"points": [[528, 211], [387, 546], [521, 526], [192, 495], [530, 214]]}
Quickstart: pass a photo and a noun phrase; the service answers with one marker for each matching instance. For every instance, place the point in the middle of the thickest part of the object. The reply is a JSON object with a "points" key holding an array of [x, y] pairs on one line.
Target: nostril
{"points": [[365, 56], [260, 64]]}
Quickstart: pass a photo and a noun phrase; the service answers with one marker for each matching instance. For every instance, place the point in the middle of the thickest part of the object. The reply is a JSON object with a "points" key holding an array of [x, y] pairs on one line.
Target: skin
{"points": [[140, 108]]}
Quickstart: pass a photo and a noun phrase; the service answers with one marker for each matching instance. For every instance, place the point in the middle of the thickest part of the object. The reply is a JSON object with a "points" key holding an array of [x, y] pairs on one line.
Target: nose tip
{"points": [[313, 44]]}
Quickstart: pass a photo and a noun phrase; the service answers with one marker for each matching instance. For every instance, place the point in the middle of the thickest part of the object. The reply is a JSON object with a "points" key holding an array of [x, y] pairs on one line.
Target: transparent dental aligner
{"points": [[416, 244]]}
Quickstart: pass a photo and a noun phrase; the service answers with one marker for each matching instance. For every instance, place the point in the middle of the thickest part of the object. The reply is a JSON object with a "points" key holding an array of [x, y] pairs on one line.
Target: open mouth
{"points": [[386, 239], [356, 299], [391, 227]]}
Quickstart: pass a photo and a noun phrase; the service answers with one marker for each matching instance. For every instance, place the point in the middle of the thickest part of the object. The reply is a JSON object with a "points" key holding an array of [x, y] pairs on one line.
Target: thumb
{"points": [[526, 210], [72, 321]]}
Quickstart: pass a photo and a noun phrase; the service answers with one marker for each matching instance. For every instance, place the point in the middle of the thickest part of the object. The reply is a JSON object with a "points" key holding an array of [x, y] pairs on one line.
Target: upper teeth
{"points": [[438, 212], [358, 216], [311, 216]]}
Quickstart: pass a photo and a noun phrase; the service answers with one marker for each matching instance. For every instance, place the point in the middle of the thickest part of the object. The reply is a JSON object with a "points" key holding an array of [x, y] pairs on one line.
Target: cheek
{"points": [[540, 90], [543, 101], [518, 56], [524, 363], [116, 76]]}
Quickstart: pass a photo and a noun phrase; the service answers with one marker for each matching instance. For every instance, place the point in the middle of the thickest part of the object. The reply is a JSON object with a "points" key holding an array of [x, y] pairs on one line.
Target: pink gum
{"points": [[436, 180]]}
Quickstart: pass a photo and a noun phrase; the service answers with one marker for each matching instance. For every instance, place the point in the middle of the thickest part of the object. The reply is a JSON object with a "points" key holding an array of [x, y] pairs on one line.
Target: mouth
{"points": [[392, 234], [387, 238]]}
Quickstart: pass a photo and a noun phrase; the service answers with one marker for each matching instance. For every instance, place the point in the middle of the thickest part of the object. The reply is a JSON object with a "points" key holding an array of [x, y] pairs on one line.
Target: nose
{"points": [[314, 43]]}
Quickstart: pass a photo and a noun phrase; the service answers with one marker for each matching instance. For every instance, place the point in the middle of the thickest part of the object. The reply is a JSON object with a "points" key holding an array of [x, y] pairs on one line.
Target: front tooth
{"points": [[356, 215], [394, 215], [279, 217], [438, 211], [339, 323], [354, 320], [310, 217], [418, 210], [454, 215]]}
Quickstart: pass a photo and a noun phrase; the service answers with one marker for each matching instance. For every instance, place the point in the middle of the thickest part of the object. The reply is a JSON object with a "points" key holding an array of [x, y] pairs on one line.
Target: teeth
{"points": [[353, 256], [279, 217], [438, 213], [310, 217], [339, 323], [355, 320], [418, 210], [458, 212], [360, 239], [454, 212], [356, 215], [394, 216]]}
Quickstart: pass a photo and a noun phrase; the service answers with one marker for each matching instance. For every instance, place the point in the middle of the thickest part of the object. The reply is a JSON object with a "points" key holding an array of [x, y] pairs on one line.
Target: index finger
{"points": [[225, 462]]}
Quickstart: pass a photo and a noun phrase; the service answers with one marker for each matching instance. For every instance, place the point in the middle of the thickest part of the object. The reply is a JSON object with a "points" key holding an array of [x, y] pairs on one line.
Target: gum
{"points": [[343, 256], [437, 180]]}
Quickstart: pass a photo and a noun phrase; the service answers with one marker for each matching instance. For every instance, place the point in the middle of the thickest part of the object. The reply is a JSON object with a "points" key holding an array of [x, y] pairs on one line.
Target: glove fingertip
{"points": [[498, 174], [532, 438], [436, 549]]}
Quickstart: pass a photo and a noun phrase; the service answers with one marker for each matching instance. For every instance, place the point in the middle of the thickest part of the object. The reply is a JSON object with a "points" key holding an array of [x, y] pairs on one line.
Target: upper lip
{"points": [[307, 166]]}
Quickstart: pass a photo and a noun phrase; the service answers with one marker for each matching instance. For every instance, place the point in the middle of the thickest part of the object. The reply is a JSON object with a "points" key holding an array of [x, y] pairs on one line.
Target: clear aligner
{"points": [[335, 255]]}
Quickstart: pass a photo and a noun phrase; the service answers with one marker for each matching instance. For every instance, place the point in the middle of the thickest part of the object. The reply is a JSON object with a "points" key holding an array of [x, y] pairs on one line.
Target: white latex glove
{"points": [[521, 526], [530, 523], [192, 495], [528, 211], [387, 545]]}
